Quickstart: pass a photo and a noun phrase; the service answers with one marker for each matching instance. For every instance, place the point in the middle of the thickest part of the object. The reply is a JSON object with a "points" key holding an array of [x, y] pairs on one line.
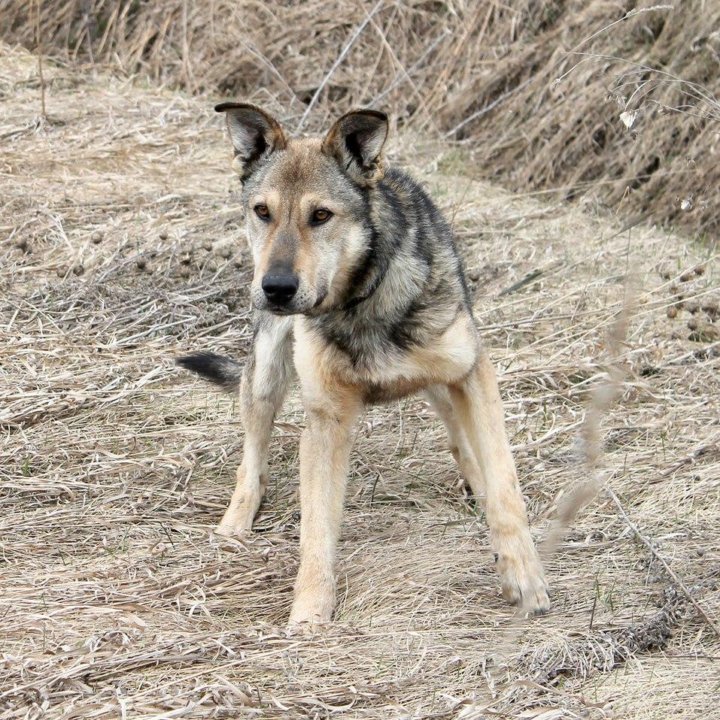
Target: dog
{"points": [[359, 289]]}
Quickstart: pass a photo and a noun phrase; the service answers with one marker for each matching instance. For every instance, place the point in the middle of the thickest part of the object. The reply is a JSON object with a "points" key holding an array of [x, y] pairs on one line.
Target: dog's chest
{"points": [[380, 370]]}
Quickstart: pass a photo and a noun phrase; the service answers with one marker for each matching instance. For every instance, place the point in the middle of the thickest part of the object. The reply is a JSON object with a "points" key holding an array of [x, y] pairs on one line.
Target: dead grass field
{"points": [[614, 101], [122, 247]]}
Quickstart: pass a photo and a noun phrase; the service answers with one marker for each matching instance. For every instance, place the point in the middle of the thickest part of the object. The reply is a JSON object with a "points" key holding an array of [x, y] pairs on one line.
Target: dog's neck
{"points": [[372, 269], [368, 275]]}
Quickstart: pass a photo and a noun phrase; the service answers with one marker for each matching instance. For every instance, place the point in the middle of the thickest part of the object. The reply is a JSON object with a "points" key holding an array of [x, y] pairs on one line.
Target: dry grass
{"points": [[614, 101], [122, 248]]}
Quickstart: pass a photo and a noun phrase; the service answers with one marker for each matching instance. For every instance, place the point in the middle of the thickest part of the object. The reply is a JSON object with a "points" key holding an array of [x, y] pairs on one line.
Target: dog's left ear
{"points": [[356, 141]]}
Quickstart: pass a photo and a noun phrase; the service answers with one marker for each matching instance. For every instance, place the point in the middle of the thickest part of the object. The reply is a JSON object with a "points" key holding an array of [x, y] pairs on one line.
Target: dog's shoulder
{"points": [[409, 288]]}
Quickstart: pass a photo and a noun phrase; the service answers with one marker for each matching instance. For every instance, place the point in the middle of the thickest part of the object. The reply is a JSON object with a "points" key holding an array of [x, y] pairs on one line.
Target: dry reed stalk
{"points": [[601, 402], [676, 579], [38, 44]]}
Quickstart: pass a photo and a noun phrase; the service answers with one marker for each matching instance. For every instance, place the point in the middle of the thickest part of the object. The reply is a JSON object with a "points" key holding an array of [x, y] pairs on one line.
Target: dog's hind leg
{"points": [[263, 387], [477, 403], [439, 397]]}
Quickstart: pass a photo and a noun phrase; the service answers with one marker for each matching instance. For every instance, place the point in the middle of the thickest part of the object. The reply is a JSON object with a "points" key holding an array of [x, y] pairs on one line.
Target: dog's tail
{"points": [[222, 371]]}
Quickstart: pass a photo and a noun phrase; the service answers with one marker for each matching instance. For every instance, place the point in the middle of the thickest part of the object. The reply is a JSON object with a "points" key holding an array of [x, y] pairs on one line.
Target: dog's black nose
{"points": [[280, 288]]}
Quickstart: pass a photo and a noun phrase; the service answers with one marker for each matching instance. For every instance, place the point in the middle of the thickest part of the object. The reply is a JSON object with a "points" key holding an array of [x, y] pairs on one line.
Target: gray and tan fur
{"points": [[358, 287]]}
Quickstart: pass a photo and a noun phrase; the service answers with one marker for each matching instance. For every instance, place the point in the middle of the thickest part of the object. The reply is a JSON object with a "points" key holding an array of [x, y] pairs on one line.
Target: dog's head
{"points": [[306, 205]]}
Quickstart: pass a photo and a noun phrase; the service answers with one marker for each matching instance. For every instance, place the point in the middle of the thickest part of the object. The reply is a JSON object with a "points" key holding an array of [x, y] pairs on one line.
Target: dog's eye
{"points": [[262, 212], [320, 216]]}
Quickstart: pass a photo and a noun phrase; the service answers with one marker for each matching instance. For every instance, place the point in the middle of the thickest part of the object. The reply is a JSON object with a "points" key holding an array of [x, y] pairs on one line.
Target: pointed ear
{"points": [[254, 135], [356, 141]]}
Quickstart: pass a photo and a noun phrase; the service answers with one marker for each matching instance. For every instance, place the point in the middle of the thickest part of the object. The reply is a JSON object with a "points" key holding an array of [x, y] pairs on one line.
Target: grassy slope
{"points": [[121, 249]]}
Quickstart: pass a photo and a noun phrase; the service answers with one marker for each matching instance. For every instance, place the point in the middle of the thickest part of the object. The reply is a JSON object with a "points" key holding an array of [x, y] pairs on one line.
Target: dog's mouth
{"points": [[281, 310], [313, 310]]}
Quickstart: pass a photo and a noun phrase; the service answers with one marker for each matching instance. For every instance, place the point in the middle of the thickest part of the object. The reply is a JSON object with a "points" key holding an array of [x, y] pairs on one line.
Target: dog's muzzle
{"points": [[280, 288]]}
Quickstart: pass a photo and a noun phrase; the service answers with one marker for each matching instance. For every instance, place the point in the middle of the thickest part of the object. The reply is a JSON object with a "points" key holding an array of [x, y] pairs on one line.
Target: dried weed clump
{"points": [[615, 101]]}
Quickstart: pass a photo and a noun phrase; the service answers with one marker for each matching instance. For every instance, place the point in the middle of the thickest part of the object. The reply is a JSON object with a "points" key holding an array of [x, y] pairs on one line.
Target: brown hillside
{"points": [[121, 247], [615, 101]]}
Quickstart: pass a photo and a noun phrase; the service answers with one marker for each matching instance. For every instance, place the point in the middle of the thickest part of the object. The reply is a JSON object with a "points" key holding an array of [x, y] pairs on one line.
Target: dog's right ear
{"points": [[255, 135]]}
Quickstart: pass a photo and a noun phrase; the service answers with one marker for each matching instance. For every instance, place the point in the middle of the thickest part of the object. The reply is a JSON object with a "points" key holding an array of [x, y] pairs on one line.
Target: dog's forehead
{"points": [[301, 165]]}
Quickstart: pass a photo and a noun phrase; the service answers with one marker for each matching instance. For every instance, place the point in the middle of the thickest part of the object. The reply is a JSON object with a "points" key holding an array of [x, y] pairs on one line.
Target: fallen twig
{"points": [[712, 624]]}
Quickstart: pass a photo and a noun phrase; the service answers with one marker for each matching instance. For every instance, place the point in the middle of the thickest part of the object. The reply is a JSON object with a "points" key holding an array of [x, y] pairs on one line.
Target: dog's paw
{"points": [[307, 628], [312, 611], [236, 522], [523, 584]]}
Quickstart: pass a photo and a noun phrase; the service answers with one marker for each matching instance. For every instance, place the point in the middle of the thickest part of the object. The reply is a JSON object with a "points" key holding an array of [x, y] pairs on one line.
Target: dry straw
{"points": [[122, 247], [617, 101]]}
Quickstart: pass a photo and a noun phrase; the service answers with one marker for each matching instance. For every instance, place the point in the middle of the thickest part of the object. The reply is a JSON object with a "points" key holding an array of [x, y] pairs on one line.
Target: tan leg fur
{"points": [[331, 409], [441, 401], [478, 407], [264, 385]]}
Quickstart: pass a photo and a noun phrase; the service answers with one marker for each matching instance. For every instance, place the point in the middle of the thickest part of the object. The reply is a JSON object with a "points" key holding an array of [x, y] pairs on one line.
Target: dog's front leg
{"points": [[264, 384], [324, 452]]}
